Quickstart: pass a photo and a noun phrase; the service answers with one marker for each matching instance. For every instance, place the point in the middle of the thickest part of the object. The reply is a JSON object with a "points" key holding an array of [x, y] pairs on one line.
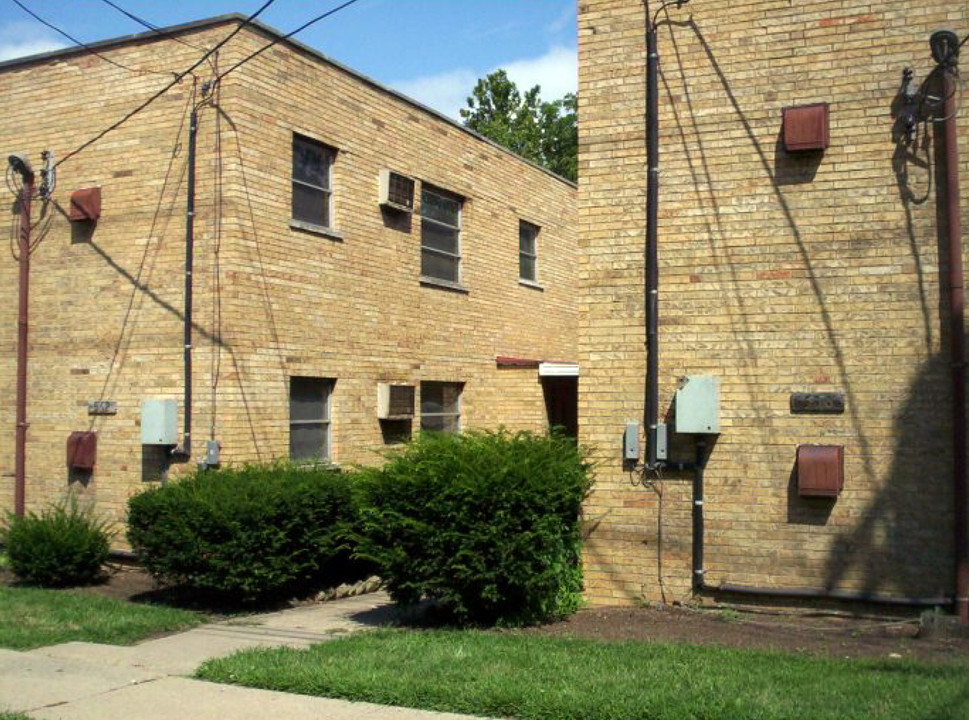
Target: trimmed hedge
{"points": [[487, 524], [64, 545], [255, 533]]}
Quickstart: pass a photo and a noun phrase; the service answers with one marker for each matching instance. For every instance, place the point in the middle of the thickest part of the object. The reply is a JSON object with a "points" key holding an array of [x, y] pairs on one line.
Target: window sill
{"points": [[315, 229], [531, 284], [444, 284]]}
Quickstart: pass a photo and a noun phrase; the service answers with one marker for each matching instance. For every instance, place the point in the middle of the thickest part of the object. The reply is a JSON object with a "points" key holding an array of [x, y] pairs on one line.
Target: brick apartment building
{"points": [[812, 285], [347, 242]]}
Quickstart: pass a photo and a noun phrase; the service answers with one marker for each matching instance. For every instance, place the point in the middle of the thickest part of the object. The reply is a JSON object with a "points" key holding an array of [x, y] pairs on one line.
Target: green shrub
{"points": [[63, 545], [487, 524], [255, 533]]}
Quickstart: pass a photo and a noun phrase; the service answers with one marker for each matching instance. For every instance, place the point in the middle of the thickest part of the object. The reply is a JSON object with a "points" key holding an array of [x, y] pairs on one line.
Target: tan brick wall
{"points": [[270, 302], [779, 274]]}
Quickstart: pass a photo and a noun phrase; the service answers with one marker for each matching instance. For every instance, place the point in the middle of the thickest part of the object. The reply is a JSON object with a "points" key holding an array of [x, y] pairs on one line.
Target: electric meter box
{"points": [[698, 405], [159, 422]]}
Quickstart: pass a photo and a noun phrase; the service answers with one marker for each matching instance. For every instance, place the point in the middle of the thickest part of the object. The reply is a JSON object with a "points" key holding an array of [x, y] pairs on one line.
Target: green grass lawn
{"points": [[531, 677], [33, 617]]}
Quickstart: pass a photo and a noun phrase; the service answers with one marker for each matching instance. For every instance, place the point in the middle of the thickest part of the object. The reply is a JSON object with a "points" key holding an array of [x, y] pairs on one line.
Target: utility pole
{"points": [[20, 165]]}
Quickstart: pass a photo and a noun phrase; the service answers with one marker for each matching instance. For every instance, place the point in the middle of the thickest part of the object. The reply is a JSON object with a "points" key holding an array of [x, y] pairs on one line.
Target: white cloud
{"points": [[556, 72], [446, 93], [18, 39]]}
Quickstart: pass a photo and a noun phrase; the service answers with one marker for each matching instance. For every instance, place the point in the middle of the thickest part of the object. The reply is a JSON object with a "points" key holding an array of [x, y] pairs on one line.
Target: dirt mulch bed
{"points": [[801, 630]]}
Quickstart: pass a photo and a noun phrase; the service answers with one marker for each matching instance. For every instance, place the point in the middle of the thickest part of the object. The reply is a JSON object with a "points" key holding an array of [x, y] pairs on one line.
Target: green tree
{"points": [[543, 132]]}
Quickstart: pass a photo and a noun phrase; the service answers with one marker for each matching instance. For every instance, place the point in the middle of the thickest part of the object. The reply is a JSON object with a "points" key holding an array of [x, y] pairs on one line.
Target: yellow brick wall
{"points": [[778, 274], [270, 302]]}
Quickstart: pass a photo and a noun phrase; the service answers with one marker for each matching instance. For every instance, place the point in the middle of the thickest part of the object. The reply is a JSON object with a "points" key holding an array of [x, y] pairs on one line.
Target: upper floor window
{"points": [[312, 183], [527, 251], [440, 235], [309, 418]]}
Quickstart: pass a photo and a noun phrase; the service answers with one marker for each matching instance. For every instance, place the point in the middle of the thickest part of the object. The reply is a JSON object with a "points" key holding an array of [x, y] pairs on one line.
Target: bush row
{"points": [[485, 524], [256, 533]]}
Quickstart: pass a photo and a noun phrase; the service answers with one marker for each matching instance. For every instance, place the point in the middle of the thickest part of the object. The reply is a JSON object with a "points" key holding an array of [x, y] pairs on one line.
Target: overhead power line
{"points": [[169, 86], [77, 42], [154, 28], [300, 29]]}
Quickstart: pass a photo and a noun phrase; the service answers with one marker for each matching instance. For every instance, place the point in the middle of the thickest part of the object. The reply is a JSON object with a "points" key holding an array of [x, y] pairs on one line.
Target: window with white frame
{"points": [[312, 183], [527, 251], [441, 406], [309, 418], [440, 235]]}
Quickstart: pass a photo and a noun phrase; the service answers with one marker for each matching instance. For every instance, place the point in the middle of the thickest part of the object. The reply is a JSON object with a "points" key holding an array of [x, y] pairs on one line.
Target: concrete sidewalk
{"points": [[78, 680]]}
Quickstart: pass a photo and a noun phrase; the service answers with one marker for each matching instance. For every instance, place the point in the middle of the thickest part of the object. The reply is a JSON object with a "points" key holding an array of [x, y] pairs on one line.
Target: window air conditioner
{"points": [[396, 191], [395, 402]]}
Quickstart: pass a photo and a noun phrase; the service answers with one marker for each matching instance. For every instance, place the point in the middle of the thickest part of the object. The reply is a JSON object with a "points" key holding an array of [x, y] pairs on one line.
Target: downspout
{"points": [[185, 449], [20, 452], [652, 251], [957, 343]]}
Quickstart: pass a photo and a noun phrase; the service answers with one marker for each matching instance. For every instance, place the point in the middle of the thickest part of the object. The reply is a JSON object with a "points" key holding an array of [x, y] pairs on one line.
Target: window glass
{"points": [[436, 237], [441, 406], [527, 251], [439, 266], [312, 168], [440, 235], [309, 418]]}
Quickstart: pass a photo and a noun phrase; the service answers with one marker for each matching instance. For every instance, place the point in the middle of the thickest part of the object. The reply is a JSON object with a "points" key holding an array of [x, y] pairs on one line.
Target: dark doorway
{"points": [[562, 403]]}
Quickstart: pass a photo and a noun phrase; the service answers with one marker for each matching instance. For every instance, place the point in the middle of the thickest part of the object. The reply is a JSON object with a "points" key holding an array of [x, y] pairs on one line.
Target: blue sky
{"points": [[432, 50]]}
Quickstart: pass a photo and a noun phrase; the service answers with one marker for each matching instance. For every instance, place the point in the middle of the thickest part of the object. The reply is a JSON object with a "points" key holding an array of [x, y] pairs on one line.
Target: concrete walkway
{"points": [[81, 681]]}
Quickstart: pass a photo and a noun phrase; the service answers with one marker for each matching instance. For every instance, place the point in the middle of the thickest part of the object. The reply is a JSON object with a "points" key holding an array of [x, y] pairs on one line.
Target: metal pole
{"points": [[186, 447], [20, 452], [957, 349], [652, 252]]}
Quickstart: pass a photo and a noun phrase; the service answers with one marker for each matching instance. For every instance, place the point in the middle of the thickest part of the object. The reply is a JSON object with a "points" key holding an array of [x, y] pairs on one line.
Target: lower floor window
{"points": [[309, 418], [441, 406]]}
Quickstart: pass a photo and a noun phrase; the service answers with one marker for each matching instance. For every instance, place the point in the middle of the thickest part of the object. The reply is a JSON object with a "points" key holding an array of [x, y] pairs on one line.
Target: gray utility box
{"points": [[159, 422], [698, 405]]}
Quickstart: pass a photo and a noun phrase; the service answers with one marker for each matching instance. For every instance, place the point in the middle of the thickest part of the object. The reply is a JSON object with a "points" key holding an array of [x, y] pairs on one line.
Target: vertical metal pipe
{"points": [[652, 252], [186, 447], [699, 584], [20, 452], [957, 349]]}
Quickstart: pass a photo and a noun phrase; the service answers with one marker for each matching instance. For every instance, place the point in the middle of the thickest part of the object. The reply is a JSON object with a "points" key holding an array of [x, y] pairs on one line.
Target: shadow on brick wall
{"points": [[900, 542]]}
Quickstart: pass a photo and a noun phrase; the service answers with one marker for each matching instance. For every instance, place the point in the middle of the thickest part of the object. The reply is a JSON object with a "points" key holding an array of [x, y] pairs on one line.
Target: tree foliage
{"points": [[543, 132]]}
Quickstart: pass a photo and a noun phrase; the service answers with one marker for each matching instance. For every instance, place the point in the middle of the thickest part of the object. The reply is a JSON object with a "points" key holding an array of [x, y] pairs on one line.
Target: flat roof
{"points": [[161, 33]]}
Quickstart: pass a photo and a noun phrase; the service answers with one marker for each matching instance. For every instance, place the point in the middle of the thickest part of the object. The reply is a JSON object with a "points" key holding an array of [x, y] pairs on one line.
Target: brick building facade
{"points": [[308, 293], [780, 273]]}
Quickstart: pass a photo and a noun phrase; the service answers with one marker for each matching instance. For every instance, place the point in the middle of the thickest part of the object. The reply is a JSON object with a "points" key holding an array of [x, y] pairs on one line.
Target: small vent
{"points": [[395, 402], [396, 191]]}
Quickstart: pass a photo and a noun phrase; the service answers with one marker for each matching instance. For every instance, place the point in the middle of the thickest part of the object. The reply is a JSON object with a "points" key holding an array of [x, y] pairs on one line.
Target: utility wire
{"points": [[77, 42], [154, 28], [173, 83], [302, 27]]}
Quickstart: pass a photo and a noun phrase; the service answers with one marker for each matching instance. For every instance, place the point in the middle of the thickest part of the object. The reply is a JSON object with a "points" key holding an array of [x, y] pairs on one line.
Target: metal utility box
{"points": [[806, 128], [630, 441], [698, 405], [159, 422], [213, 450], [82, 450], [820, 470]]}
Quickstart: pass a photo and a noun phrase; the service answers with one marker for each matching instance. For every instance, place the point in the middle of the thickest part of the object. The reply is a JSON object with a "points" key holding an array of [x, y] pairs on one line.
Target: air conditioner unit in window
{"points": [[395, 402], [396, 191]]}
